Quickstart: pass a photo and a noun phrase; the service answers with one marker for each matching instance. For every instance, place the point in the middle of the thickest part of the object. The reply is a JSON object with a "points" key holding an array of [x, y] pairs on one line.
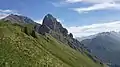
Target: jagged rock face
{"points": [[71, 35], [37, 27], [64, 31], [18, 19], [44, 29], [52, 26], [50, 21]]}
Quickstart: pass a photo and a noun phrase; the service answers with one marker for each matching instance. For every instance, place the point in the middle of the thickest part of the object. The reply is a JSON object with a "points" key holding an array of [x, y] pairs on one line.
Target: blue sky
{"points": [[72, 13]]}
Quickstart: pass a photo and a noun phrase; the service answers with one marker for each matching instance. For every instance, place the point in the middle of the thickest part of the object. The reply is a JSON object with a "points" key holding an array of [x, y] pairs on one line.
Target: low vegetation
{"points": [[21, 46]]}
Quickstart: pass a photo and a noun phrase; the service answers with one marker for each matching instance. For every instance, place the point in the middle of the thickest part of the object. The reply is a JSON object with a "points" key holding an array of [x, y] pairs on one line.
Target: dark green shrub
{"points": [[26, 30], [33, 34]]}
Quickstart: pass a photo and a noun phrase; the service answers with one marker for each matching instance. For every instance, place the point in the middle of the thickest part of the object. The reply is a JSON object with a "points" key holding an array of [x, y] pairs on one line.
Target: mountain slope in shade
{"points": [[22, 46], [106, 46]]}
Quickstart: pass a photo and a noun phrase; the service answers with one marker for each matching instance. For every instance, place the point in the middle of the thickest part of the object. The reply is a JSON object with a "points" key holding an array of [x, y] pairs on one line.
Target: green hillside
{"points": [[19, 47]]}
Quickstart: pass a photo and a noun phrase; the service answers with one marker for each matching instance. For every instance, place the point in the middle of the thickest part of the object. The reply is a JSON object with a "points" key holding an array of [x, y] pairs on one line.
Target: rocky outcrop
{"points": [[71, 35], [43, 29], [37, 27], [53, 27]]}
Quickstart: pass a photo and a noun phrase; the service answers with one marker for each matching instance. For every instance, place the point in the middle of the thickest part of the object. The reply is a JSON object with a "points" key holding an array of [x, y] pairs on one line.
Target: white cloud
{"points": [[94, 29], [8, 11], [73, 1], [59, 4], [4, 13], [95, 7], [59, 20], [39, 21], [91, 1]]}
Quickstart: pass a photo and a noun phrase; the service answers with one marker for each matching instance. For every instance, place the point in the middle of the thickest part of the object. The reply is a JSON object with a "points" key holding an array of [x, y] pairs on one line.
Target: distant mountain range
{"points": [[25, 43], [106, 46]]}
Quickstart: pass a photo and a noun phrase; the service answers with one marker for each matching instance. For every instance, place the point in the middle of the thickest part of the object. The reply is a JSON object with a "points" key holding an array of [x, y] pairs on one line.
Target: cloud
{"points": [[8, 11], [73, 1], [59, 4], [87, 30], [96, 7], [91, 1], [4, 13], [39, 21], [59, 20]]}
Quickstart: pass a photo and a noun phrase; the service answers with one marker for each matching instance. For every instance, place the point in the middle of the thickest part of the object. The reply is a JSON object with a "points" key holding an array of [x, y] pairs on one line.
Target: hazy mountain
{"points": [[46, 45], [85, 37], [106, 46]]}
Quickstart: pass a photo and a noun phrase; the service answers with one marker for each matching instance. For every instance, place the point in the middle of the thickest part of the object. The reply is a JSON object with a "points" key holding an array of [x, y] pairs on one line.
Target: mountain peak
{"points": [[18, 19], [107, 33], [49, 15], [50, 21], [54, 25]]}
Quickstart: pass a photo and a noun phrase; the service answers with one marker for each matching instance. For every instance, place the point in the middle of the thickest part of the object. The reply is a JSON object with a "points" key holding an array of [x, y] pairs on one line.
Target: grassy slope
{"points": [[20, 50]]}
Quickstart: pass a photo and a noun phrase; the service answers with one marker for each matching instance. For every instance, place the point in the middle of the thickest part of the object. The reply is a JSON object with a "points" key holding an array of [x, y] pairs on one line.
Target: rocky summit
{"points": [[52, 26]]}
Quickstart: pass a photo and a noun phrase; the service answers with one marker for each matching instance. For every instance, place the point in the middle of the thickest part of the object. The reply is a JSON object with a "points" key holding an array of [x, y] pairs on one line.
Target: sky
{"points": [[80, 17]]}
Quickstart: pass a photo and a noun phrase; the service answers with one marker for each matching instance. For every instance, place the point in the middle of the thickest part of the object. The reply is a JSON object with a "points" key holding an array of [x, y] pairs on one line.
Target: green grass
{"points": [[18, 49]]}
